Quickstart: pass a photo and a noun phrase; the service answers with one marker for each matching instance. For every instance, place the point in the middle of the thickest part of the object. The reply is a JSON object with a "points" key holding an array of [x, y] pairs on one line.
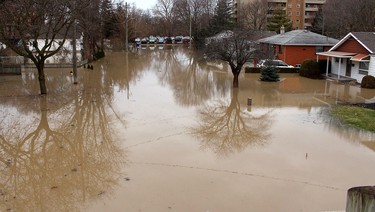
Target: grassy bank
{"points": [[359, 117]]}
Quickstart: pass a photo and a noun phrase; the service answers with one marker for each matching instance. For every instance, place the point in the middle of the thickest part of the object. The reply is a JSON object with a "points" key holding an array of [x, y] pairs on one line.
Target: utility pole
{"points": [[75, 78], [74, 43], [191, 40], [126, 27], [190, 23]]}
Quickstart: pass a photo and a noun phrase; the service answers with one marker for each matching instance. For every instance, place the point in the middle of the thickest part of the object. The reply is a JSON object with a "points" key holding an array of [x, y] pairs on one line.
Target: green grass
{"points": [[358, 117]]}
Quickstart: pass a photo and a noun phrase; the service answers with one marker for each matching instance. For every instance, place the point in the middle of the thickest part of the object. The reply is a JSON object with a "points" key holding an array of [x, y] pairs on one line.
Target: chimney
{"points": [[282, 30]]}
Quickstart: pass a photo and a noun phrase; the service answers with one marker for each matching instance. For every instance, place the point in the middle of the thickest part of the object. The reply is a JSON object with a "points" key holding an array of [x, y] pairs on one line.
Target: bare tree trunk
{"points": [[235, 80], [41, 77]]}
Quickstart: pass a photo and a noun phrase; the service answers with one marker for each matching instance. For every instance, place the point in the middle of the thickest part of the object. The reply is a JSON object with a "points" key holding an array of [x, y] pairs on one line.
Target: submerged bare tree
{"points": [[35, 29], [235, 48]]}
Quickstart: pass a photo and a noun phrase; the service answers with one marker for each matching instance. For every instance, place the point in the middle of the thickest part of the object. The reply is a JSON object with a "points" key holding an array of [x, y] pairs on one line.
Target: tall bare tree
{"points": [[342, 16], [253, 15], [163, 10], [36, 29]]}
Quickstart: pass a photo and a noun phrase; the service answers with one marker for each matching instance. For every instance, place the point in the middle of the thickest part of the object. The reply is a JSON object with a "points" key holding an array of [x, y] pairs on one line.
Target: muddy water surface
{"points": [[162, 130]]}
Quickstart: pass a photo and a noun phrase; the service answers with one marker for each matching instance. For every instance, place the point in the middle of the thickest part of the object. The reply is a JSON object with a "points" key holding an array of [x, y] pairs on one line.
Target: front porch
{"points": [[339, 79]]}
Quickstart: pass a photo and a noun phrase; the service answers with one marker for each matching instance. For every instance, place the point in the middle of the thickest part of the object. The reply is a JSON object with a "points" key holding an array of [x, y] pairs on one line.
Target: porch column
{"points": [[338, 74], [327, 68]]}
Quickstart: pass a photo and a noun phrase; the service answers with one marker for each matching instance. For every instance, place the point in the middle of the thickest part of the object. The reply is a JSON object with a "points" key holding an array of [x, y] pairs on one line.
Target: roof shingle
{"points": [[367, 39], [300, 38]]}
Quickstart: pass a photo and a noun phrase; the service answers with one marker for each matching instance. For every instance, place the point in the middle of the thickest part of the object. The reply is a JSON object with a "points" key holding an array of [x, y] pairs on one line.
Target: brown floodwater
{"points": [[160, 129]]}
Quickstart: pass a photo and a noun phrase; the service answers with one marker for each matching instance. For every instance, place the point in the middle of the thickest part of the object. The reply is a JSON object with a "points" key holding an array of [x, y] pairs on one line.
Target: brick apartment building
{"points": [[300, 12]]}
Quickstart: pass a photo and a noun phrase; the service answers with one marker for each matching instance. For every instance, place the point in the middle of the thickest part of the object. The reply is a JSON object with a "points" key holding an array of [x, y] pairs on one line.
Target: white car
{"points": [[274, 63]]}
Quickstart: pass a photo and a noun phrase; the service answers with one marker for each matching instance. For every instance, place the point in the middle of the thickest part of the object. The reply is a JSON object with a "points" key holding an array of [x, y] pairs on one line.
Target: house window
{"points": [[364, 67], [280, 49], [319, 49]]}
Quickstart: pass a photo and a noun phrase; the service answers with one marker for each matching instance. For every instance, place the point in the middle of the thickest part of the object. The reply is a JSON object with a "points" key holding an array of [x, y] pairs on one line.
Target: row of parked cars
{"points": [[162, 40]]}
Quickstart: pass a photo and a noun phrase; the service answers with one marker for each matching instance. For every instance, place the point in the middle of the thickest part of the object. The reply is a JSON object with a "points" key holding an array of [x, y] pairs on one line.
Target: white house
{"points": [[65, 55], [353, 56]]}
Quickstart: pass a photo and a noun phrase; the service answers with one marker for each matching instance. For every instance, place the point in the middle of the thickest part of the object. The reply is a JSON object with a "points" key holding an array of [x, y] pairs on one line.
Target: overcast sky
{"points": [[142, 4]]}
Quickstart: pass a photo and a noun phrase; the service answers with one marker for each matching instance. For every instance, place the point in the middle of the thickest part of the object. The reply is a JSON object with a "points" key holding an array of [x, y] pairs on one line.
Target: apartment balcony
{"points": [[308, 24], [278, 1], [315, 1], [312, 9], [309, 16]]}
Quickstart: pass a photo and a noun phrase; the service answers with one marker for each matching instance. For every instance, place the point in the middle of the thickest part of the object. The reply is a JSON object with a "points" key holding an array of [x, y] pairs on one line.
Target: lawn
{"points": [[359, 117]]}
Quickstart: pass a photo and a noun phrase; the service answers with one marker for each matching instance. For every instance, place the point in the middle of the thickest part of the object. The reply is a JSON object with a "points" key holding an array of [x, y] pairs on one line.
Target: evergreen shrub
{"points": [[269, 74], [368, 82], [310, 69]]}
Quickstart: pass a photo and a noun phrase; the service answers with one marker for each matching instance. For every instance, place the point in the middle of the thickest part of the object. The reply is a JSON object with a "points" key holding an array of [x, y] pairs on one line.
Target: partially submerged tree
{"points": [[36, 29], [233, 47]]}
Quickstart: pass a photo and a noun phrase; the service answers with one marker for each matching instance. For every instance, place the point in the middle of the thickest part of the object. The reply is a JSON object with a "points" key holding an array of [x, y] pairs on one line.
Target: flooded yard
{"points": [[162, 130]]}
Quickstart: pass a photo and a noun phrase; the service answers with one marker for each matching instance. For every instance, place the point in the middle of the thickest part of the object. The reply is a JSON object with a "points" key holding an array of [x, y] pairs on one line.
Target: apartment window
{"points": [[297, 20], [289, 13], [290, 5], [364, 67], [298, 6], [298, 13]]}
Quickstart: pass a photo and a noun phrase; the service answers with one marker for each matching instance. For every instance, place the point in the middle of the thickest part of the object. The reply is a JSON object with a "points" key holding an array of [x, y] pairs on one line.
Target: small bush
{"points": [[99, 55], [252, 69], [269, 74], [368, 82], [310, 69]]}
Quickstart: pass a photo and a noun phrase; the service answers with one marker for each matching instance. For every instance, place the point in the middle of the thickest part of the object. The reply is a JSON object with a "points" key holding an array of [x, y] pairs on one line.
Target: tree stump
{"points": [[361, 199]]}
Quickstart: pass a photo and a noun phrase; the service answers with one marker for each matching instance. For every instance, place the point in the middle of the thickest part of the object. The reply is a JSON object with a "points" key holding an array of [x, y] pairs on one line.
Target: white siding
{"points": [[371, 70], [355, 72], [335, 66]]}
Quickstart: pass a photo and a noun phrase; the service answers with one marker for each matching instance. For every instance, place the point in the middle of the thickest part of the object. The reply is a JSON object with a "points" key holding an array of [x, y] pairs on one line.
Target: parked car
{"points": [[178, 39], [168, 40], [137, 41], [160, 40], [274, 63], [144, 40], [186, 39], [152, 39]]}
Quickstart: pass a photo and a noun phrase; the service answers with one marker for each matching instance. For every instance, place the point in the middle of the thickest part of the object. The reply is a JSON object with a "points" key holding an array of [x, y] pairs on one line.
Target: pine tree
{"points": [[279, 19], [318, 24], [269, 74], [222, 19]]}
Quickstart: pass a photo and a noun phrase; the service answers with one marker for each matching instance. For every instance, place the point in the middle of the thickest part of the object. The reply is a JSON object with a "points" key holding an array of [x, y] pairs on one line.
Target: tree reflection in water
{"points": [[65, 160], [190, 77], [228, 129]]}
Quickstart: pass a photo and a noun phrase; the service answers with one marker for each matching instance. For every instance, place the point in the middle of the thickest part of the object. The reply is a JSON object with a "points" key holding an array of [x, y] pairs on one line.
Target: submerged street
{"points": [[160, 129]]}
